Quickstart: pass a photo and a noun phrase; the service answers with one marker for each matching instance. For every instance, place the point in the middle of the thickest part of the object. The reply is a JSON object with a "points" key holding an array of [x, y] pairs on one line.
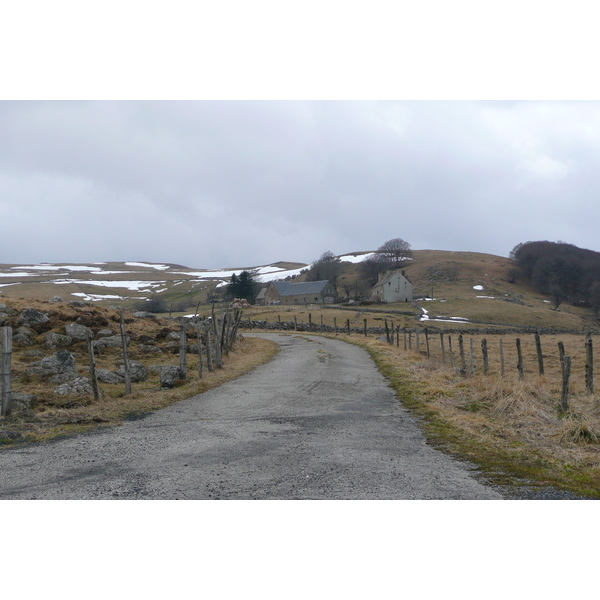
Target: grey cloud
{"points": [[212, 184]]}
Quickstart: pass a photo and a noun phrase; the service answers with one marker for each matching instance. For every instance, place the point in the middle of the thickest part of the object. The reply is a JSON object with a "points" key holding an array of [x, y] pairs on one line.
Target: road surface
{"points": [[317, 422]]}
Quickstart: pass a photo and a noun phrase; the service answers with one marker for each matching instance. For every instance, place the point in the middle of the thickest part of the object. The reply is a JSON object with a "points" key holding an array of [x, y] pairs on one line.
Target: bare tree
{"points": [[396, 253], [391, 255], [327, 266]]}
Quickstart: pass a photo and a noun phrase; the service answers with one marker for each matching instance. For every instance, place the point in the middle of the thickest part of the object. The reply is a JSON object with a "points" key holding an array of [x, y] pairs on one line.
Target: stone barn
{"points": [[392, 287], [309, 292]]}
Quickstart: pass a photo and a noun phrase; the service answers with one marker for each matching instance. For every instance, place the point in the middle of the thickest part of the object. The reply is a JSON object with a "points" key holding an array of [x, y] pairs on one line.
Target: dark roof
{"points": [[286, 288]]}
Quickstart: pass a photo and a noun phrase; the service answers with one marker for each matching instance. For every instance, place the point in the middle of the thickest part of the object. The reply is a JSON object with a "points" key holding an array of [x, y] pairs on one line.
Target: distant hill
{"points": [[473, 286]]}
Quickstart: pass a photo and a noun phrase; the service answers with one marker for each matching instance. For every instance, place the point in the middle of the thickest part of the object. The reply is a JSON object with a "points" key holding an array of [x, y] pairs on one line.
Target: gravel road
{"points": [[318, 422]]}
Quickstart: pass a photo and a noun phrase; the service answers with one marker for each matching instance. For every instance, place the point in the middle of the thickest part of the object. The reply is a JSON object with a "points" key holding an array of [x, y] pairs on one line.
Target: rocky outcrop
{"points": [[34, 318], [113, 341], [58, 368], [21, 401], [79, 332], [171, 377], [57, 340], [137, 369], [79, 386], [109, 377]]}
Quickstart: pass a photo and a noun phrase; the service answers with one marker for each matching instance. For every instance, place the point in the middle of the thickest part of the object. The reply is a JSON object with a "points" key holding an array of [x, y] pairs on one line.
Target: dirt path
{"points": [[317, 422]]}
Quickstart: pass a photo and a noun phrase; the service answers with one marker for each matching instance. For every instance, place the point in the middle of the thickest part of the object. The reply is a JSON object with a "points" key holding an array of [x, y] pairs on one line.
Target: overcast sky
{"points": [[242, 183]]}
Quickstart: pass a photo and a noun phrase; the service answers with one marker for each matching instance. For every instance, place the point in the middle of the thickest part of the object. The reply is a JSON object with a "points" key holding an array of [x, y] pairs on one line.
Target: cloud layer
{"points": [[211, 184]]}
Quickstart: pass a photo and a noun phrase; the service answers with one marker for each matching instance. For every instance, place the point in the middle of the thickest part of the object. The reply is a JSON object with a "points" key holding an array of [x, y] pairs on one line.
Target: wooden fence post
{"points": [[404, 334], [443, 350], [589, 364], [365, 328], [126, 365], [463, 362], [501, 358], [450, 351], [566, 373], [387, 332], [484, 351], [520, 360], [209, 361], [93, 377], [540, 356], [200, 359], [427, 342], [183, 347], [335, 325], [418, 340], [6, 398], [561, 352], [321, 322], [296, 323], [410, 339], [472, 357], [348, 325], [218, 355], [309, 322]]}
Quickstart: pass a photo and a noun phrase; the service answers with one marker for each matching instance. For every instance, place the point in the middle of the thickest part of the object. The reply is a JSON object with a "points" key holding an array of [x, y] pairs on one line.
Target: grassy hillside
{"points": [[449, 277]]}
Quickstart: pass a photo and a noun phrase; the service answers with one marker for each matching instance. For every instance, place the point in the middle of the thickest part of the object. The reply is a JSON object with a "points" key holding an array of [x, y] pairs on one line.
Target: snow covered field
{"points": [[133, 277]]}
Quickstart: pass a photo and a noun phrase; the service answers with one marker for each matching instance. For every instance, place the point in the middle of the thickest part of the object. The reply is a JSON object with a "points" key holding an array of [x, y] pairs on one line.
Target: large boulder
{"points": [[113, 341], [138, 371], [21, 401], [79, 332], [105, 333], [79, 386], [57, 340], [171, 377], [109, 377], [58, 368], [33, 318]]}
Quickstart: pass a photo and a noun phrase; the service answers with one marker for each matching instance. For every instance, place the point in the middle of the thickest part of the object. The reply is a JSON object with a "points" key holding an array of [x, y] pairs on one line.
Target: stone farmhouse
{"points": [[392, 286], [285, 292]]}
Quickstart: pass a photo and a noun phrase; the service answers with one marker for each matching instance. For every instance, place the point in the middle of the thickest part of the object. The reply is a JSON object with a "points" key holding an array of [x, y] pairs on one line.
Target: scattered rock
{"points": [[138, 371], [57, 340], [171, 377], [59, 367], [147, 349], [22, 339], [3, 318], [110, 377], [78, 303], [105, 333], [113, 341], [21, 401], [33, 318], [55, 299], [32, 355], [143, 314], [77, 387], [8, 310], [79, 332]]}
